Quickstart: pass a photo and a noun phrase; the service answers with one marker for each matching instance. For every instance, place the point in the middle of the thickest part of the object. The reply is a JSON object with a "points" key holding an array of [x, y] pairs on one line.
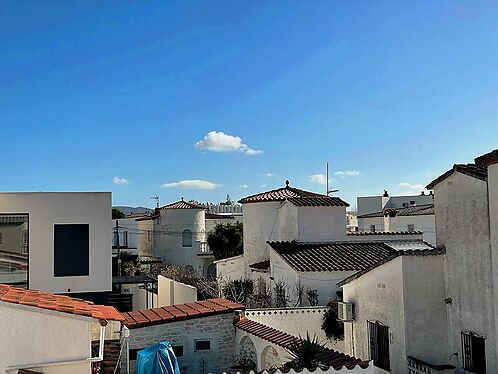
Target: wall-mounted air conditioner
{"points": [[345, 311]]}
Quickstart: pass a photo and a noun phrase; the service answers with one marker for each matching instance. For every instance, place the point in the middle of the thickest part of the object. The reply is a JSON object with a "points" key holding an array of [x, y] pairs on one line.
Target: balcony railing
{"points": [[416, 366], [204, 249]]}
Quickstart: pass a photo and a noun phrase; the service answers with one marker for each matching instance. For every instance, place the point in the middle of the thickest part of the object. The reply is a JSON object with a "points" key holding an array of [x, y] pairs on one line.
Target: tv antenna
{"points": [[156, 197], [327, 191]]}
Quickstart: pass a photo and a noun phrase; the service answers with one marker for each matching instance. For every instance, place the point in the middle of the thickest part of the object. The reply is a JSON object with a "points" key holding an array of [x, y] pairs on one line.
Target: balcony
{"points": [[204, 250], [416, 366]]}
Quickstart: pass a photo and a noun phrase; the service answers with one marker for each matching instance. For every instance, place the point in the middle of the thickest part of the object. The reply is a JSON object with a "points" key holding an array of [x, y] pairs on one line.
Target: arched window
{"points": [[187, 238], [211, 272]]}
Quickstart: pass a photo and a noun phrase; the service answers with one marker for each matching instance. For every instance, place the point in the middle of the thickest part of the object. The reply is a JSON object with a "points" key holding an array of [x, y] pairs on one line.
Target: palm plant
{"points": [[305, 353]]}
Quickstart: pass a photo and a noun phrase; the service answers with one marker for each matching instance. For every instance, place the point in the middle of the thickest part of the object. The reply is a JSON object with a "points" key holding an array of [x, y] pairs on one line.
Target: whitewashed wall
{"points": [[231, 268], [463, 227], [48, 208], [171, 292], [30, 337]]}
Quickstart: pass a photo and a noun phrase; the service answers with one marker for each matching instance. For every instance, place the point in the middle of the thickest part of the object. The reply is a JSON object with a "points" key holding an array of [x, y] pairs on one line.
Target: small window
{"points": [[71, 250], [411, 227], [187, 238], [178, 350], [372, 228], [1, 238], [203, 345], [133, 354], [378, 337], [412, 202], [149, 235], [405, 205], [473, 353]]}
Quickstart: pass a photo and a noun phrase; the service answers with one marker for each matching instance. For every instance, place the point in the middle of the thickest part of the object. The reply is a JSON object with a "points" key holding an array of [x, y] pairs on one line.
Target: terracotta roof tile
{"points": [[183, 205], [327, 356], [413, 210], [296, 196], [335, 256], [179, 312], [60, 303], [383, 233]]}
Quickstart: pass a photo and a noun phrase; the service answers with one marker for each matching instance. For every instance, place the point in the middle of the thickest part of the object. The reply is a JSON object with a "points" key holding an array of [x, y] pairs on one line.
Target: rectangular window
{"points": [[148, 235], [473, 353], [71, 250], [372, 228], [411, 227], [178, 350], [14, 249], [378, 337], [202, 345]]}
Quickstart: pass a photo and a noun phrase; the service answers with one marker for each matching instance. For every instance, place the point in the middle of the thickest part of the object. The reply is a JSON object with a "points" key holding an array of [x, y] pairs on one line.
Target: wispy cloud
{"points": [[218, 141], [347, 173], [192, 184], [244, 186], [319, 179], [269, 175], [262, 185], [119, 180]]}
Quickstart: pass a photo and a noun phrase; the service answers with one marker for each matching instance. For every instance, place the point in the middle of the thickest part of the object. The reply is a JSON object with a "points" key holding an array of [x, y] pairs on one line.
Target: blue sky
{"points": [[243, 95]]}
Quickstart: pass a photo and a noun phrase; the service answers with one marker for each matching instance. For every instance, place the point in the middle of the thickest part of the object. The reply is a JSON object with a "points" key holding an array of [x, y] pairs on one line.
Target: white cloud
{"points": [[411, 186], [218, 141], [347, 173], [193, 184], [244, 186], [319, 178], [262, 185], [269, 175], [119, 180]]}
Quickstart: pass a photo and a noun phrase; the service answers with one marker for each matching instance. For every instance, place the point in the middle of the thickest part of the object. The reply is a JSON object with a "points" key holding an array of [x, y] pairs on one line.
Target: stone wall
{"points": [[218, 329], [111, 355]]}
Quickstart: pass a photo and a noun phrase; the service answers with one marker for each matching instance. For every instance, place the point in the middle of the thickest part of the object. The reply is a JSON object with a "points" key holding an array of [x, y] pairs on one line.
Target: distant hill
{"points": [[127, 210]]}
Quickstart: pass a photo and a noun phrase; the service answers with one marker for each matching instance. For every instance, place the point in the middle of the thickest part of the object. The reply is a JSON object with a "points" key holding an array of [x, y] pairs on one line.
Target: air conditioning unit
{"points": [[345, 311]]}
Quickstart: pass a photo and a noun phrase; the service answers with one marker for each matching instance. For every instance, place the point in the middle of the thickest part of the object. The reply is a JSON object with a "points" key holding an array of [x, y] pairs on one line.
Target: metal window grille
{"points": [[378, 336], [473, 353]]}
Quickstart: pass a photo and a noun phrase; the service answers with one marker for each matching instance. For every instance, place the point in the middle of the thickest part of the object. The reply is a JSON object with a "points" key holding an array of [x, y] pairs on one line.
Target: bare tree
{"points": [[298, 293], [312, 296]]}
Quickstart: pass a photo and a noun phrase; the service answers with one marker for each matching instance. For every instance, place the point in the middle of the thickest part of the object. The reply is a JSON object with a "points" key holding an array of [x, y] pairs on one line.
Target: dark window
{"points": [[378, 337], [14, 249], [411, 227], [187, 238], [133, 353], [149, 235], [202, 345], [178, 350], [372, 228], [473, 353], [71, 250]]}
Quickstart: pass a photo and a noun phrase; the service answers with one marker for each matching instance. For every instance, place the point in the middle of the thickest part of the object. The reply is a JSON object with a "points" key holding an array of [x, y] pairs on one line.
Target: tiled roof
{"points": [[183, 205], [60, 303], [210, 215], [471, 170], [335, 256], [417, 252], [147, 217], [179, 312], [383, 233], [295, 196], [263, 265], [413, 210], [328, 356], [487, 159]]}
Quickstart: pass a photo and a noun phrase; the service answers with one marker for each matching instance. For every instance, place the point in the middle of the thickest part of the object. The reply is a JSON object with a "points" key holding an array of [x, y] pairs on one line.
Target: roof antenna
{"points": [[327, 191], [156, 197]]}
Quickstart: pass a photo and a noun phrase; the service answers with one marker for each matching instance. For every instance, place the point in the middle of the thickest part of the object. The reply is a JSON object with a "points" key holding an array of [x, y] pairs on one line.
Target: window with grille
{"points": [[473, 353], [378, 337]]}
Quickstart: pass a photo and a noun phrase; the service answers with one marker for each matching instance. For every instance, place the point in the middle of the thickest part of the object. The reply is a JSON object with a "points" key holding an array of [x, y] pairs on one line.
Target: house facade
{"points": [[50, 333], [57, 242]]}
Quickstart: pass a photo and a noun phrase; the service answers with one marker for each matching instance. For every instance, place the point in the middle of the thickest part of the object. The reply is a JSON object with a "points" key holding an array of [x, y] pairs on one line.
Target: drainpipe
{"points": [[100, 357]]}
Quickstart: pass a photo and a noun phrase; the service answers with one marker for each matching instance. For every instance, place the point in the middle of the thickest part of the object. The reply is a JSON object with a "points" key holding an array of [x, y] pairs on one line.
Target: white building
{"points": [[51, 333], [410, 218], [57, 242], [374, 204]]}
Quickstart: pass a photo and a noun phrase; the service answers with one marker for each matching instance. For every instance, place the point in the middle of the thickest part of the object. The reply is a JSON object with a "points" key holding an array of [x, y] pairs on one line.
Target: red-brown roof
{"points": [[183, 205], [335, 256], [382, 233], [60, 303], [328, 356], [487, 159], [296, 196], [179, 312]]}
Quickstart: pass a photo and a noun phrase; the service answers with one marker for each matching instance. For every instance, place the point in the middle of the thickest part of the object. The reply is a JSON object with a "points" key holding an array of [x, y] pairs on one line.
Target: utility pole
{"points": [[119, 249], [156, 197]]}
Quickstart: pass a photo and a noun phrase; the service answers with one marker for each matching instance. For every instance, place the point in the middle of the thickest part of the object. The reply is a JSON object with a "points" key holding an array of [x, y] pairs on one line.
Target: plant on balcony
{"points": [[333, 328], [305, 354], [226, 240]]}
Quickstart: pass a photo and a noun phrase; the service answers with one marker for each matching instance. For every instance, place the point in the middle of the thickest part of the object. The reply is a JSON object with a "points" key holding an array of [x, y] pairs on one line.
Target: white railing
{"points": [[204, 248]]}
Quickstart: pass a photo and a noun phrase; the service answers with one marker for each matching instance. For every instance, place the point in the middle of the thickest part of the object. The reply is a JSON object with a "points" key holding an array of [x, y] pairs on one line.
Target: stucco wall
{"points": [[231, 268], [145, 240], [320, 224], [377, 296], [462, 225], [46, 209], [30, 337], [218, 329], [171, 292]]}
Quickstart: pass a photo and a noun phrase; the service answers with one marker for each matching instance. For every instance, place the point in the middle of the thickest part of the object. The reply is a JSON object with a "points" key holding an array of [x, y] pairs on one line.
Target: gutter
{"points": [[99, 358]]}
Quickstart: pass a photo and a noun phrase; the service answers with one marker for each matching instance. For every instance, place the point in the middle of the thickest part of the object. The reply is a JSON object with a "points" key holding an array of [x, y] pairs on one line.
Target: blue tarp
{"points": [[157, 359]]}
